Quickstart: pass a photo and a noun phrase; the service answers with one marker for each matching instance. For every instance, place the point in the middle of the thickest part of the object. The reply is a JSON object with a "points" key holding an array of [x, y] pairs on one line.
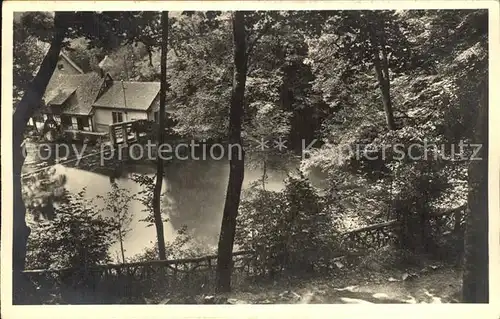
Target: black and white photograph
{"points": [[248, 157]]}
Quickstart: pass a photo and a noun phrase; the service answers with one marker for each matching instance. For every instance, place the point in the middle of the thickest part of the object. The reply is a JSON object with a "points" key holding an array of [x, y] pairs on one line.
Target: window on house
{"points": [[60, 66], [82, 122], [66, 121], [117, 117], [79, 123], [156, 116]]}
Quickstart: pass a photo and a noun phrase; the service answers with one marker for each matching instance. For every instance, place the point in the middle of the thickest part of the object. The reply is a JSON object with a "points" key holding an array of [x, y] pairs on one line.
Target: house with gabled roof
{"points": [[68, 99], [124, 101], [66, 65], [90, 102]]}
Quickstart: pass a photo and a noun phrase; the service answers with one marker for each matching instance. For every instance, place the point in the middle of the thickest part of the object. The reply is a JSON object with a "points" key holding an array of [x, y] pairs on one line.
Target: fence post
{"points": [[112, 134], [124, 133]]}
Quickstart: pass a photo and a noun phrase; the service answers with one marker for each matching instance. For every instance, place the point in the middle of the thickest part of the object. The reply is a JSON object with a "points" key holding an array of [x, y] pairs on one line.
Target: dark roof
{"points": [[62, 96], [156, 105], [71, 62], [84, 89], [129, 95]]}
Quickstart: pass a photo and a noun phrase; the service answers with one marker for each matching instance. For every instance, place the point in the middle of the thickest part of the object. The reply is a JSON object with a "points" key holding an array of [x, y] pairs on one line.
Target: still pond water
{"points": [[194, 195]]}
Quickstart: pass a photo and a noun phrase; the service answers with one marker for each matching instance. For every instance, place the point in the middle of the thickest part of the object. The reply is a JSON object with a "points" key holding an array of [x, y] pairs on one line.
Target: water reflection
{"points": [[194, 196], [194, 193]]}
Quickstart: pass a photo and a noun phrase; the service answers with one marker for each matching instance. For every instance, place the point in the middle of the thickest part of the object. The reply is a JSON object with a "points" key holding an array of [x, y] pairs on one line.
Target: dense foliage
{"points": [[290, 231], [77, 236], [388, 96], [432, 101]]}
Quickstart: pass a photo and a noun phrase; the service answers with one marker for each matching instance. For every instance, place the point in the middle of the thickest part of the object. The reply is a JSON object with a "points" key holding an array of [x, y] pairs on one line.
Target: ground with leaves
{"points": [[440, 286], [434, 283]]}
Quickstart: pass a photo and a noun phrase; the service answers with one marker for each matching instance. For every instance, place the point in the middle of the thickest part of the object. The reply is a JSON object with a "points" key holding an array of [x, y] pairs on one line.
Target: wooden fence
{"points": [[131, 282], [128, 282], [131, 131], [379, 235]]}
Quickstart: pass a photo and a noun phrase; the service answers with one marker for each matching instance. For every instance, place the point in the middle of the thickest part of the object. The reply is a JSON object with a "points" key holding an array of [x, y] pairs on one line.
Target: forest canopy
{"points": [[361, 87]]}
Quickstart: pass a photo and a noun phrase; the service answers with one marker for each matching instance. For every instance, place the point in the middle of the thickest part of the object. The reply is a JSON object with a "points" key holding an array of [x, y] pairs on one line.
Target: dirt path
{"points": [[438, 286]]}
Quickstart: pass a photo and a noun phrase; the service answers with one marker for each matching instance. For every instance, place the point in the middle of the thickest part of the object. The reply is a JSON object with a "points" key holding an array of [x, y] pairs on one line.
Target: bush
{"points": [[76, 236], [288, 231], [423, 183]]}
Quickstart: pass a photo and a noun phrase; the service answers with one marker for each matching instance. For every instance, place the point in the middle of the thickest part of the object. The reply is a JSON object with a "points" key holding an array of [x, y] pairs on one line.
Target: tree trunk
{"points": [[150, 55], [382, 71], [475, 276], [121, 244], [120, 233], [23, 112], [236, 171], [384, 85], [161, 134], [264, 174]]}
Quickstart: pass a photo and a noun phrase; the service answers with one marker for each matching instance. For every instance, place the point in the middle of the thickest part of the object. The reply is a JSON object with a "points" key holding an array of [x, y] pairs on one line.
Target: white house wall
{"points": [[136, 115], [151, 115], [103, 117]]}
